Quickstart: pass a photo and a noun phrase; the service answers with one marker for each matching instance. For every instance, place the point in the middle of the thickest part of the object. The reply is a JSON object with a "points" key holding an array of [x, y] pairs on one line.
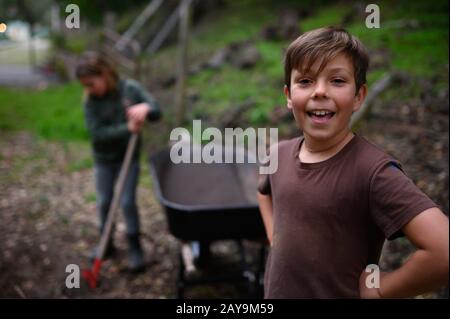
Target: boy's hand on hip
{"points": [[138, 112], [366, 292]]}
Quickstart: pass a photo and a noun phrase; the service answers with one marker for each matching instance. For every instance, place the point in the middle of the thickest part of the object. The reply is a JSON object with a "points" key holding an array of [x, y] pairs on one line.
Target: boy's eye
{"points": [[304, 81], [338, 81]]}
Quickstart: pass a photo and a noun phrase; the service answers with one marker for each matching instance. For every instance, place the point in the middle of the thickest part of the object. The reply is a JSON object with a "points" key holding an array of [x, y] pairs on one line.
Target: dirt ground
{"points": [[48, 220]]}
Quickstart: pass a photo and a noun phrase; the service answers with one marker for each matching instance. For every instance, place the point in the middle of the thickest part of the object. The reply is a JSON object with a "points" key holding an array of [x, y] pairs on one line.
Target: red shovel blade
{"points": [[92, 275]]}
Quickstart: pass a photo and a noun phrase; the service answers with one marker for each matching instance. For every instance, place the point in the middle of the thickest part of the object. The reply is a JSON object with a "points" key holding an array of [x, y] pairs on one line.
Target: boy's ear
{"points": [[288, 97], [360, 97]]}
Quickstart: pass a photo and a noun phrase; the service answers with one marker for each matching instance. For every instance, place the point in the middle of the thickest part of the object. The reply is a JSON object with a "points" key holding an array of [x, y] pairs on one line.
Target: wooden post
{"points": [[138, 23], [138, 69], [377, 88], [180, 94], [165, 30]]}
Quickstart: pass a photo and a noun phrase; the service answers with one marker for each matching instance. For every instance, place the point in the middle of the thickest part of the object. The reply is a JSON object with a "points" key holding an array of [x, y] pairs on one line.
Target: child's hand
{"points": [[135, 126], [366, 292], [138, 112]]}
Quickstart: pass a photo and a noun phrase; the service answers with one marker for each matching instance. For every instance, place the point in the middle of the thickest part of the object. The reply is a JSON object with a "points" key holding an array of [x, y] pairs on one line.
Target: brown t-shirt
{"points": [[331, 218]]}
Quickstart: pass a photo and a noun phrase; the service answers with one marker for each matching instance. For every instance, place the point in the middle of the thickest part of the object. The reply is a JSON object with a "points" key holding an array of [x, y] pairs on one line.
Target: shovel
{"points": [[92, 275]]}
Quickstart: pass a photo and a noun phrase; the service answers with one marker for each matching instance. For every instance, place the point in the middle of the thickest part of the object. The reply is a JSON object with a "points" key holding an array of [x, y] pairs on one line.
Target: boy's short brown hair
{"points": [[322, 45]]}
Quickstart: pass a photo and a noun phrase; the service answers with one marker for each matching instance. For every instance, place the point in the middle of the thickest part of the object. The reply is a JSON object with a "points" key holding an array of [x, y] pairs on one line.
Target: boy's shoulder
{"points": [[370, 156], [365, 154], [285, 146], [368, 147]]}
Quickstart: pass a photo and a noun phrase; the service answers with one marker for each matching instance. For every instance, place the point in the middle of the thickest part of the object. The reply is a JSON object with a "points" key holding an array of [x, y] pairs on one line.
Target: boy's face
{"points": [[323, 103], [95, 85]]}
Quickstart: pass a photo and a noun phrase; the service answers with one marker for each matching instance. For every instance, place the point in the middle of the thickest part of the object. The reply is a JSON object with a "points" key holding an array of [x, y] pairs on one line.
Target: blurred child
{"points": [[114, 109], [335, 196]]}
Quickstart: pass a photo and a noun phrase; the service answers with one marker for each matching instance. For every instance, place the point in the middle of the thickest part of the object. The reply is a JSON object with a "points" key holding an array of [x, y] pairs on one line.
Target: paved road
{"points": [[14, 68], [21, 76]]}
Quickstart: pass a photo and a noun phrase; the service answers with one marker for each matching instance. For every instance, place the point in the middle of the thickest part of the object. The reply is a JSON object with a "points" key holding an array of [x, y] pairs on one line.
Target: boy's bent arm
{"points": [[266, 209], [427, 268]]}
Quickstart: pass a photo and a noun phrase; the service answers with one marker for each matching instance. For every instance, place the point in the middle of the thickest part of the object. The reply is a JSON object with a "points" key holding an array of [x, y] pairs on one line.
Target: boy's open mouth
{"points": [[320, 116]]}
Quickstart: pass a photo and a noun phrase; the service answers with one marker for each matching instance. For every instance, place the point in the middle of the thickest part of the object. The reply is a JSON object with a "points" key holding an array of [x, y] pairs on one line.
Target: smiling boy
{"points": [[336, 197]]}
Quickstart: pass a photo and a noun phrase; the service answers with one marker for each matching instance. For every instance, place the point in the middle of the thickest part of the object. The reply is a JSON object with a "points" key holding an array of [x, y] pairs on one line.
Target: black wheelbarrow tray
{"points": [[208, 202]]}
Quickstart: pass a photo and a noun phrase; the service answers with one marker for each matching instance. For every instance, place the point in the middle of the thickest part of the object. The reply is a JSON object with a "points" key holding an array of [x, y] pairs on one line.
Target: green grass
{"points": [[54, 113], [420, 50], [81, 164], [90, 197], [328, 15]]}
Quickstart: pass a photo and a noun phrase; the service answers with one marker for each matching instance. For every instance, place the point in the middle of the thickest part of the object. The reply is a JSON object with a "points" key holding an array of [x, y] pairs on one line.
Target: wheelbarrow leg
{"points": [[181, 280], [204, 253], [259, 286], [246, 273]]}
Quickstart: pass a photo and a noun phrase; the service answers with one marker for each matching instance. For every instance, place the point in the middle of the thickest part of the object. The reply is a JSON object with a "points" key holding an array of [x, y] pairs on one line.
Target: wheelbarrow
{"points": [[209, 202]]}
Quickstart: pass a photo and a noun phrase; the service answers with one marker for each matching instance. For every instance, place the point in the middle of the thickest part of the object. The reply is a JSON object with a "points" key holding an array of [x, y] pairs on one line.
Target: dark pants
{"points": [[105, 179]]}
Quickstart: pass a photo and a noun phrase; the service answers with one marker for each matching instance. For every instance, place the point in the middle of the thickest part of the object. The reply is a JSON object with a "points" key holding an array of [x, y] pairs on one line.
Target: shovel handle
{"points": [[117, 195]]}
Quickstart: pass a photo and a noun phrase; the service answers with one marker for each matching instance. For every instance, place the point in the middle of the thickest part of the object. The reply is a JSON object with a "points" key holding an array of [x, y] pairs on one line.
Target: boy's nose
{"points": [[320, 91]]}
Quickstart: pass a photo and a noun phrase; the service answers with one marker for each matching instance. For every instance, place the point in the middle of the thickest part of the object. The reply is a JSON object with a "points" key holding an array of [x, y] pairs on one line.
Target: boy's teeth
{"points": [[320, 113]]}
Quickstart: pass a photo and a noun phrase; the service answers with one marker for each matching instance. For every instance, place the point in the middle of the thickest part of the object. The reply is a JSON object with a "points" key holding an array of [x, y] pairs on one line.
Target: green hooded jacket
{"points": [[107, 124]]}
